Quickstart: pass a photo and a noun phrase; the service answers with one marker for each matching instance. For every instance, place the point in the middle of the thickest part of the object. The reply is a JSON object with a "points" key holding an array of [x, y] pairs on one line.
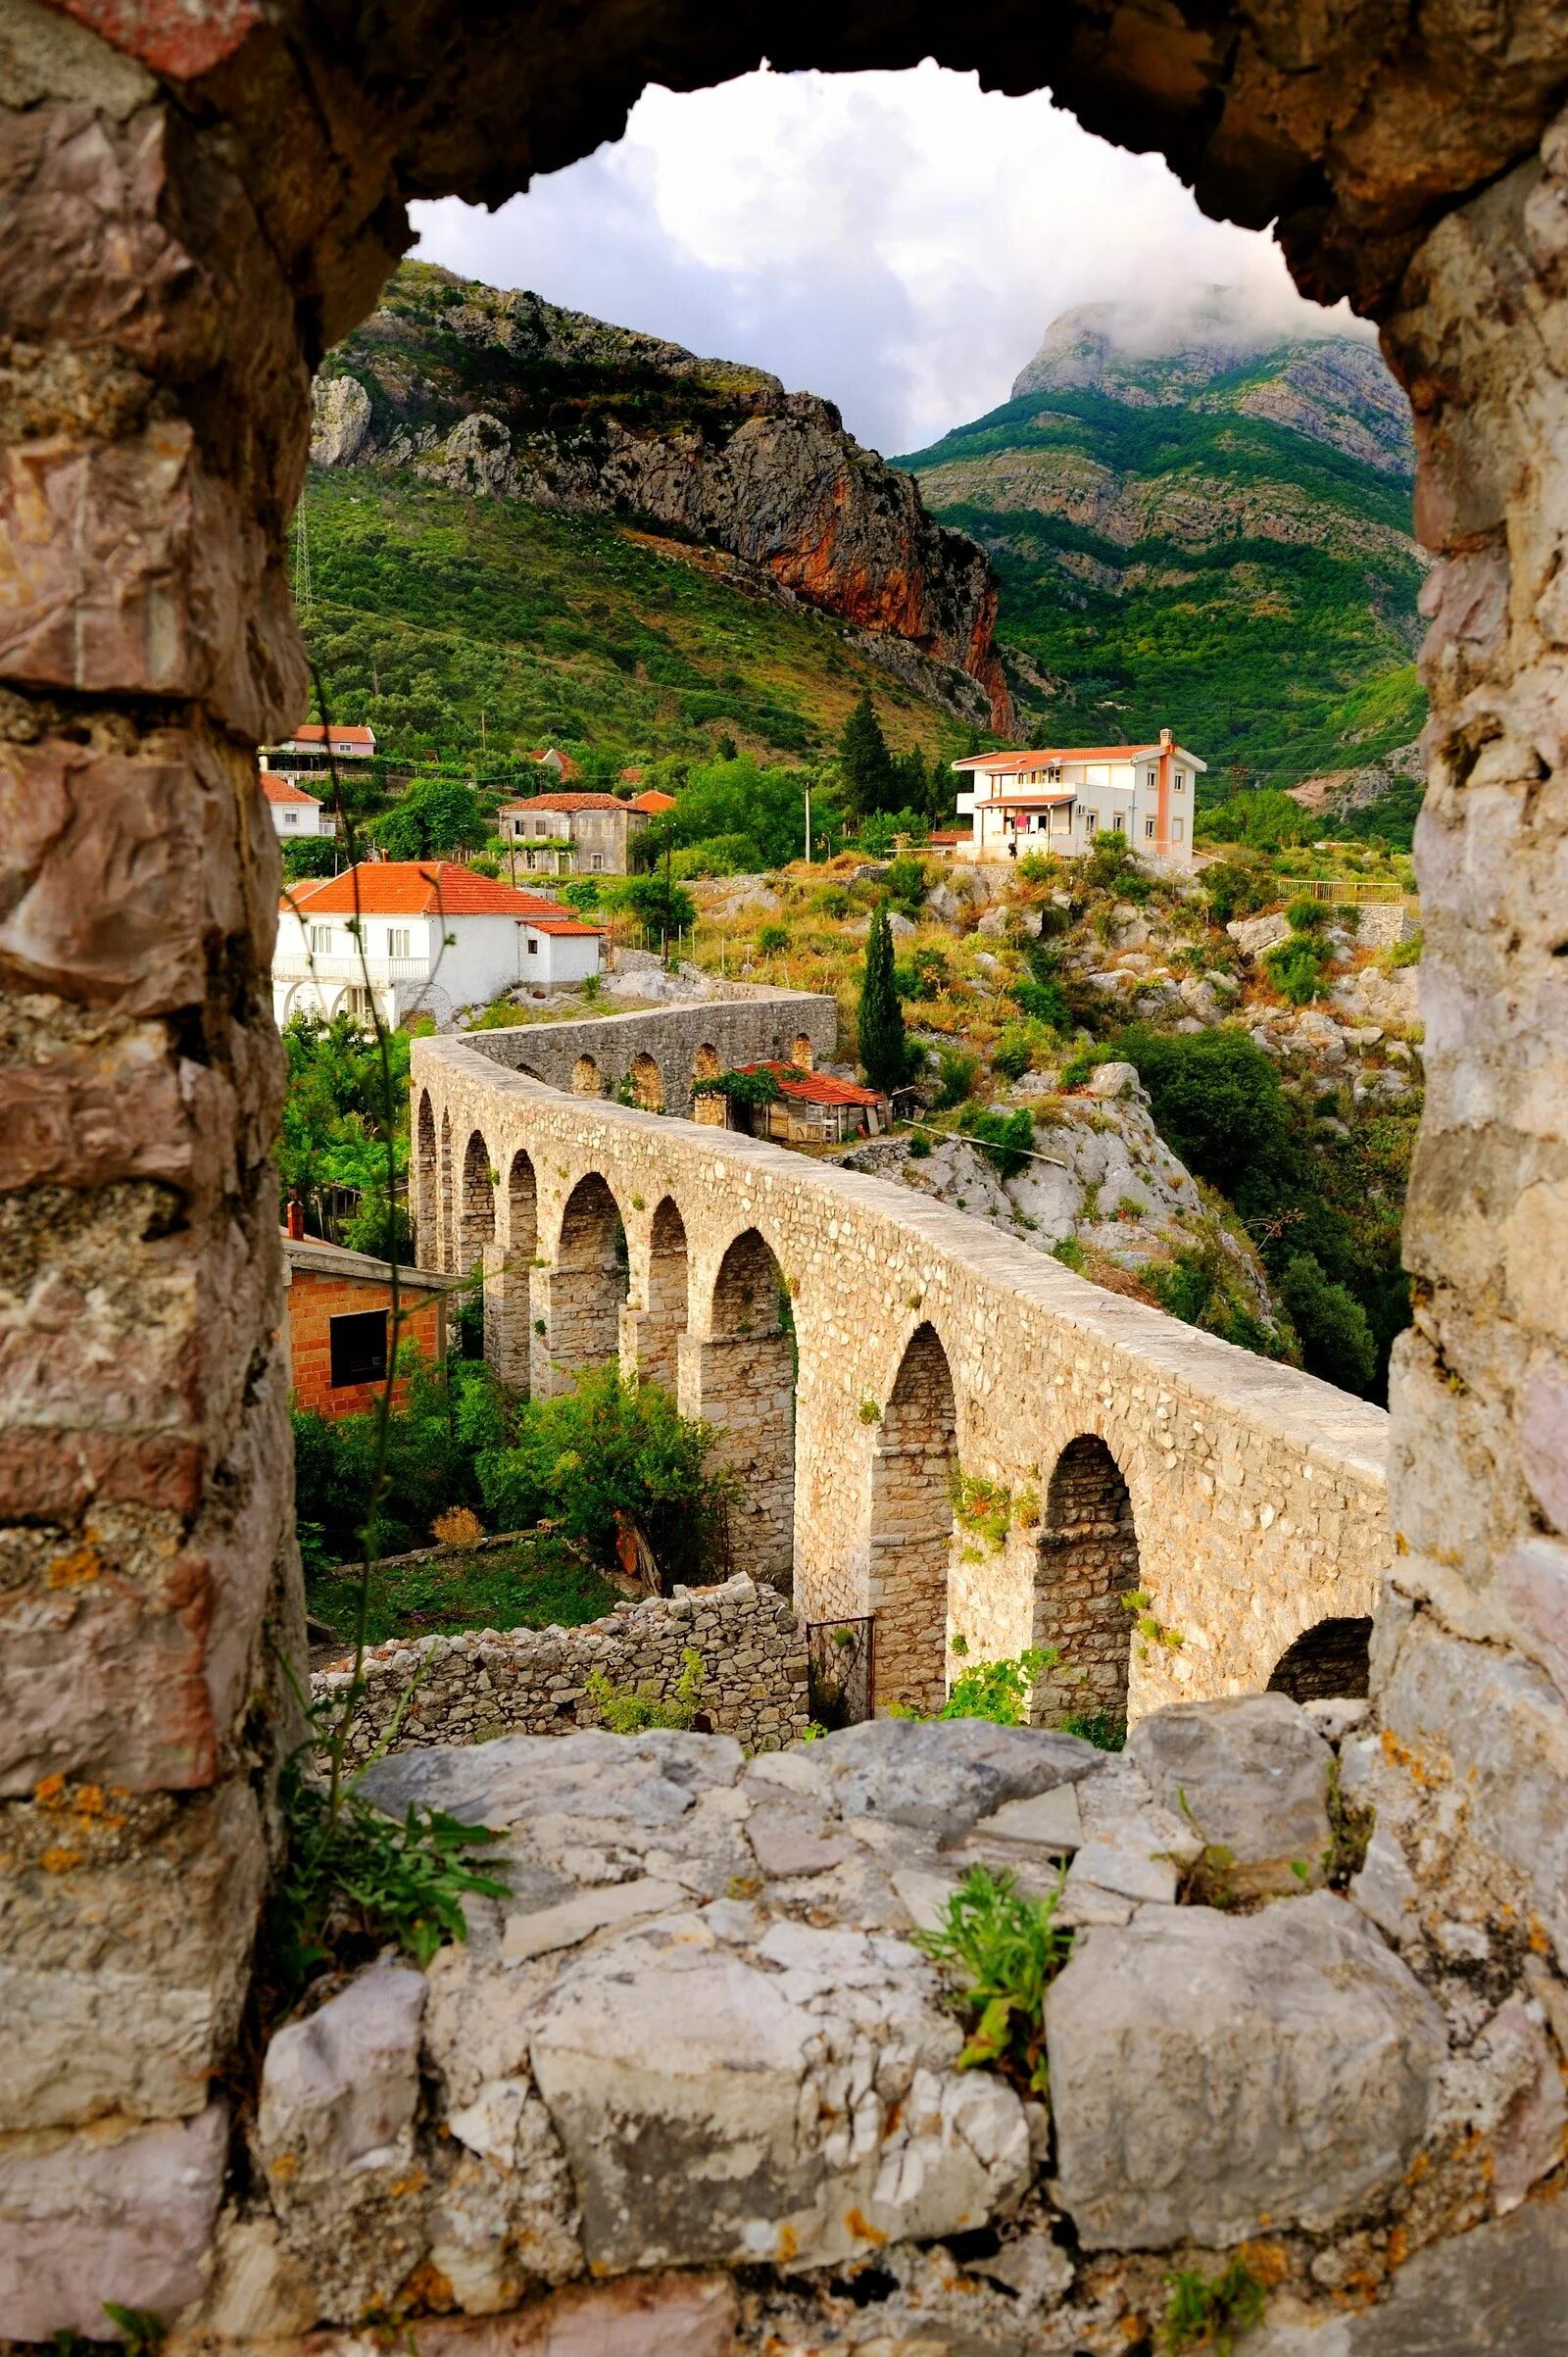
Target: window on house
{"points": [[320, 938], [1175, 830], [288, 818], [597, 861], [1149, 828], [1118, 822], [1153, 779], [1180, 781], [1091, 823], [399, 939], [358, 1345], [533, 945]]}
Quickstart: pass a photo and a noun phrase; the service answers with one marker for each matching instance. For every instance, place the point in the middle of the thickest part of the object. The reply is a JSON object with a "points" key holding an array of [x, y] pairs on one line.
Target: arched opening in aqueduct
{"points": [[426, 1239], [652, 1330], [586, 1078], [1331, 1660], [741, 1377], [509, 1277], [446, 1238], [1086, 1563], [479, 1216], [912, 1467], [646, 1085], [577, 1301]]}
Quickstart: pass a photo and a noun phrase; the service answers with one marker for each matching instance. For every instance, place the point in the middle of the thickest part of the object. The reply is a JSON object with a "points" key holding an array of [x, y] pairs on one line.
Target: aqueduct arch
{"points": [[914, 1466], [577, 1300], [737, 1369], [425, 1183], [1087, 1563], [651, 1327], [176, 320]]}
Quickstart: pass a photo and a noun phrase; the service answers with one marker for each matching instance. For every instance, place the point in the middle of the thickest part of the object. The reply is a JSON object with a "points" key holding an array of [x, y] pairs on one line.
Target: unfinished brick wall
{"points": [[912, 1467], [1088, 1561]]}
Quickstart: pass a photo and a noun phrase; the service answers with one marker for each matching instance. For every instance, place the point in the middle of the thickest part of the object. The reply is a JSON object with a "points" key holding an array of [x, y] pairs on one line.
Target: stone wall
{"points": [[1256, 1493], [470, 1688]]}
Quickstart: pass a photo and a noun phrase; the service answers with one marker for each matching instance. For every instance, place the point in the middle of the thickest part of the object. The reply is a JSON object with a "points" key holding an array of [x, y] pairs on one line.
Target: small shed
{"points": [[813, 1108], [340, 1322]]}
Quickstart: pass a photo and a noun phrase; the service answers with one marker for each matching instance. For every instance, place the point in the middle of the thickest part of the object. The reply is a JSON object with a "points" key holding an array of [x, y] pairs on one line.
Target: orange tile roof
{"points": [[568, 802], [421, 887], [1004, 764], [559, 924], [818, 1088], [279, 788], [653, 800], [313, 733]]}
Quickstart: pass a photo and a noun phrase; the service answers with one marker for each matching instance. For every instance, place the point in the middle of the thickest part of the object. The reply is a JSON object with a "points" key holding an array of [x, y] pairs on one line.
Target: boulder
{"points": [[340, 421], [1197, 995], [1250, 1773], [798, 2109], [1115, 1080], [1253, 935], [100, 2217], [1281, 2068], [942, 1776]]}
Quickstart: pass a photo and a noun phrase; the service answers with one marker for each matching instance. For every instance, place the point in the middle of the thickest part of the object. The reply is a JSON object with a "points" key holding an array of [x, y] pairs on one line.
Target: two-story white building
{"points": [[295, 814], [1061, 798], [419, 937]]}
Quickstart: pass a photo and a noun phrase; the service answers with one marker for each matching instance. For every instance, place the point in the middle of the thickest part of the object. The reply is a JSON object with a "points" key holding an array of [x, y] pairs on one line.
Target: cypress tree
{"points": [[879, 1028], [867, 763]]}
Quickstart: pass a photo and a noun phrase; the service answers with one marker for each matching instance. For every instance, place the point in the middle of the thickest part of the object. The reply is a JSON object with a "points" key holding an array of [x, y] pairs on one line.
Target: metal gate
{"points": [[841, 1661]]}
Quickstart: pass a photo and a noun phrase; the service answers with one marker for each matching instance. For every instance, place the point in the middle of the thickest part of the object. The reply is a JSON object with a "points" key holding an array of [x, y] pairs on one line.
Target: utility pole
{"points": [[807, 822], [669, 837]]}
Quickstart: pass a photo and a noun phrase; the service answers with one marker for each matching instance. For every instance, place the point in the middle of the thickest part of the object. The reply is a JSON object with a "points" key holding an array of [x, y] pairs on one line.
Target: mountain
{"points": [[1203, 523], [583, 531]]}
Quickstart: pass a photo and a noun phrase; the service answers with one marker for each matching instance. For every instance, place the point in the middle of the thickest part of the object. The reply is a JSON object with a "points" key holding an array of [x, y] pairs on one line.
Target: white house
{"points": [[307, 754], [294, 813], [434, 937], [1059, 800]]}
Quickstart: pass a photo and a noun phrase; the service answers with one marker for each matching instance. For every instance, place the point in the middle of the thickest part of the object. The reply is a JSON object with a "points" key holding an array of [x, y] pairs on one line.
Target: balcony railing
{"points": [[334, 967]]}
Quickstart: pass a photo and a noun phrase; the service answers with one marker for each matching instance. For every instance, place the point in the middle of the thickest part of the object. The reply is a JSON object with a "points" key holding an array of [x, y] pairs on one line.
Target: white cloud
{"points": [[895, 241]]}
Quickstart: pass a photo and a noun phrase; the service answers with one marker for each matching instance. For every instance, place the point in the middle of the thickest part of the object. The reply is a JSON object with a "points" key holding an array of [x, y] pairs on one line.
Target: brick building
{"points": [[338, 1313]]}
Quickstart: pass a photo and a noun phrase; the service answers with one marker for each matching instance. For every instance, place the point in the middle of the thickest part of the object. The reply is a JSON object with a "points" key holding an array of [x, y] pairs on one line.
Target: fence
{"points": [[1343, 891]]}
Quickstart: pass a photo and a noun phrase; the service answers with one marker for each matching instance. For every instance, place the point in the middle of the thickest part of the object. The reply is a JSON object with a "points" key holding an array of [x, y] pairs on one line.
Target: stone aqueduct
{"points": [[863, 1351]]}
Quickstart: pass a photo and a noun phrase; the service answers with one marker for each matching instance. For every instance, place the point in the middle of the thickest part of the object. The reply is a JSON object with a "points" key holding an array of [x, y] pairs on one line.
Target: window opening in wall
{"points": [[358, 1347], [321, 939], [533, 945], [398, 941]]}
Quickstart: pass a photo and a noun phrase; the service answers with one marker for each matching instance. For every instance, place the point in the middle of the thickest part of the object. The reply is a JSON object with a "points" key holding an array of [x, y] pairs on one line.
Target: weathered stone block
{"points": [[341, 2088], [1279, 2066], [91, 2217], [1250, 1773], [944, 1776], [113, 1915]]}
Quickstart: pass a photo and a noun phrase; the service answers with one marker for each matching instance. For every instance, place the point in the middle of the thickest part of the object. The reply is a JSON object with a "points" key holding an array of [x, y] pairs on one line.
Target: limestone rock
{"points": [[942, 1776], [340, 421], [1285, 2066], [678, 2315], [1253, 935], [1251, 1775], [1115, 1080], [715, 2109], [95, 2217], [476, 457]]}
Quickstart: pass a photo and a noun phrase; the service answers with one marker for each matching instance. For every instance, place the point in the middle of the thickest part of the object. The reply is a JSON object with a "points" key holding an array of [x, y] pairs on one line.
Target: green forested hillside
{"points": [[1218, 540], [430, 609]]}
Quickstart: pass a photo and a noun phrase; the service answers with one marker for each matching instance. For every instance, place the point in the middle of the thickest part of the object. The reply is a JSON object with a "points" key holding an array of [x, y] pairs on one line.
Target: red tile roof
{"points": [[279, 788], [562, 762], [559, 924], [346, 740], [421, 887], [568, 802], [818, 1088], [1008, 765], [653, 800]]}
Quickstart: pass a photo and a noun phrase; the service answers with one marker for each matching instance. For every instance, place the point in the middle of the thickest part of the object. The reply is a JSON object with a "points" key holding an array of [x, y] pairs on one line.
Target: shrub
{"points": [[1005, 1138], [1201, 2312], [998, 1690], [459, 1525], [1297, 970], [1336, 1339], [905, 886], [957, 1070], [1043, 1003], [919, 1145], [663, 909], [1305, 914], [1005, 1949], [774, 940], [1235, 890], [609, 1447], [1015, 1052], [1097, 1726], [718, 856], [432, 1442]]}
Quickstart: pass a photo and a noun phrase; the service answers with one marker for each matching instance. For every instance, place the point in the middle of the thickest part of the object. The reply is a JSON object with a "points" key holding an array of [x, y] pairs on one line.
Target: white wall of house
{"points": [[409, 969], [1065, 809]]}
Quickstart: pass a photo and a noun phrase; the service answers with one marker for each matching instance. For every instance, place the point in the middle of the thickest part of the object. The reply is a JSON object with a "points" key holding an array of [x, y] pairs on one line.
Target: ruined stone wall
{"points": [[471, 1688], [1257, 1493]]}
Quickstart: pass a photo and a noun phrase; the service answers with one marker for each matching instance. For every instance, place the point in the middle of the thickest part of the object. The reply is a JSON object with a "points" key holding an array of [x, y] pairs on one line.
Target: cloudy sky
{"points": [[897, 241]]}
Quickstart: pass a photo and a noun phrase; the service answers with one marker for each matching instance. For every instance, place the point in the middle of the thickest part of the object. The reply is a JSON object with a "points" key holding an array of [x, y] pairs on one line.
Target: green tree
{"points": [[310, 855], [865, 761], [435, 816], [879, 1027], [665, 908], [1337, 1338], [333, 1132]]}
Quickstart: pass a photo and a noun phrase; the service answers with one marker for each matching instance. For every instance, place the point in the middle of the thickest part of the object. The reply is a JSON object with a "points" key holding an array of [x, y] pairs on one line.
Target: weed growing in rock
{"points": [[624, 1711], [142, 2330], [1005, 1950], [998, 1690], [1351, 1824], [1097, 1726], [1203, 2312]]}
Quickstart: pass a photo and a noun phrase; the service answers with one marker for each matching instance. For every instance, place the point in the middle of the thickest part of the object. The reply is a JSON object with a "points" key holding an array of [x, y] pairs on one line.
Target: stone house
{"points": [[813, 1108], [338, 1323], [575, 834]]}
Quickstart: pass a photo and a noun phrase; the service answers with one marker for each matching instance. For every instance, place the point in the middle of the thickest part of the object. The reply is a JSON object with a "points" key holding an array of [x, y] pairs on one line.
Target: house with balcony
{"points": [[411, 937], [579, 833], [307, 756], [1063, 798]]}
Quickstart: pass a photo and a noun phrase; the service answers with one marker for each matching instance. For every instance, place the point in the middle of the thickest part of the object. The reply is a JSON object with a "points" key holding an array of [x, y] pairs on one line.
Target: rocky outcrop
{"points": [[504, 396]]}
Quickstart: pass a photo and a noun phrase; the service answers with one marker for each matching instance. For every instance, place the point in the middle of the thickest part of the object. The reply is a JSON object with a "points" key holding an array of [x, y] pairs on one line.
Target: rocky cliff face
{"points": [[503, 396]]}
